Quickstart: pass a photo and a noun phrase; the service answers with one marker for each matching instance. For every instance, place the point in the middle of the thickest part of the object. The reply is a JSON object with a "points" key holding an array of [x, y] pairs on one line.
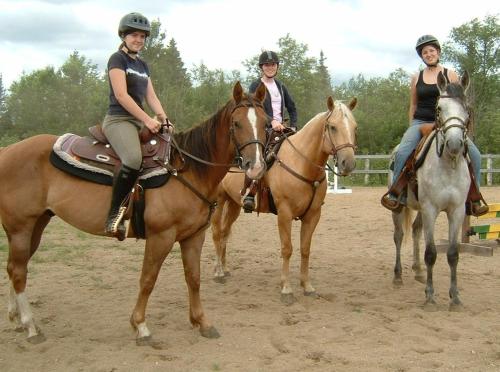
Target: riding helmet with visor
{"points": [[268, 56], [133, 22], [426, 40]]}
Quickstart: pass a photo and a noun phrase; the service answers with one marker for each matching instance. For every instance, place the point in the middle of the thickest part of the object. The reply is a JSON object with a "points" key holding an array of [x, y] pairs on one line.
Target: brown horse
{"points": [[32, 191], [298, 186]]}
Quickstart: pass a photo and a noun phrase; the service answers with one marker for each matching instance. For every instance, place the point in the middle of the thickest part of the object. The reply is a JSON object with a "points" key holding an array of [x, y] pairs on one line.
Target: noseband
{"points": [[335, 149], [239, 147]]}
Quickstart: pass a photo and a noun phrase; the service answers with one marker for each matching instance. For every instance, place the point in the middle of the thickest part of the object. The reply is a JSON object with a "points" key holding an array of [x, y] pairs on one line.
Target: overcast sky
{"points": [[366, 37]]}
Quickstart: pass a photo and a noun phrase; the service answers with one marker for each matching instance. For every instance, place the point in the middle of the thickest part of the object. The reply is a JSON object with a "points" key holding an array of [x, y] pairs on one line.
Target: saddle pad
{"points": [[102, 174]]}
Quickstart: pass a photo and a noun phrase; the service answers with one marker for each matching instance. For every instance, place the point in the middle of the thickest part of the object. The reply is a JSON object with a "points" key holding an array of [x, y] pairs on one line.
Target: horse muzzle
{"points": [[255, 169], [454, 146]]}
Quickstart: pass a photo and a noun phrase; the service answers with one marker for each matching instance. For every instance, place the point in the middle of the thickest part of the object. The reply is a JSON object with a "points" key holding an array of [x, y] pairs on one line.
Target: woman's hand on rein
{"points": [[153, 125], [277, 126]]}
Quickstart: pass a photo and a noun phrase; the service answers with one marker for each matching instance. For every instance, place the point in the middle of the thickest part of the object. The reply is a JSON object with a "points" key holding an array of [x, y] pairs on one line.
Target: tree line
{"points": [[75, 96]]}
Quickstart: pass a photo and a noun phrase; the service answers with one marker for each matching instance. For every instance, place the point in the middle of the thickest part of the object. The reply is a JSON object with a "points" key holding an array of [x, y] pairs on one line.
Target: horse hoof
{"points": [[211, 332], [430, 305], [36, 339], [397, 282], [288, 298], [144, 341], [13, 316], [456, 306], [220, 279], [312, 294]]}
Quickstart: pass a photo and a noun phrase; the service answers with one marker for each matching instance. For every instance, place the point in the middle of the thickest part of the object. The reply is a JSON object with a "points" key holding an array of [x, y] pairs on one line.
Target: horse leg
{"points": [[40, 226], [455, 220], [35, 242], [285, 231], [157, 248], [398, 219], [416, 235], [17, 268], [191, 254], [309, 223], [429, 220], [222, 221]]}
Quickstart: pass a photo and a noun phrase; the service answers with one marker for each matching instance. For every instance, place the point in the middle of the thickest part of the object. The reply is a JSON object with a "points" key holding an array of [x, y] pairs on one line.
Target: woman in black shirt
{"points": [[130, 84]]}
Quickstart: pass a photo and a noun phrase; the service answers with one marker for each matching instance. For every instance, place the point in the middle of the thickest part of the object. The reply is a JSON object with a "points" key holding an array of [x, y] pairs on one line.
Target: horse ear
{"points": [[441, 82], [237, 92], [352, 104], [329, 103], [260, 93], [465, 81]]}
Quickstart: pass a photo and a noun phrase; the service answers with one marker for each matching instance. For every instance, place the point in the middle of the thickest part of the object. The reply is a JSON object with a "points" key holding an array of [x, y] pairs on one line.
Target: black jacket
{"points": [[286, 101]]}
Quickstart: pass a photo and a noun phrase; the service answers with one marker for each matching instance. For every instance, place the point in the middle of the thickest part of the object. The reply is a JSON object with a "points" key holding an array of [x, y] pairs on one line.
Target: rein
{"points": [[336, 149], [314, 183], [176, 172]]}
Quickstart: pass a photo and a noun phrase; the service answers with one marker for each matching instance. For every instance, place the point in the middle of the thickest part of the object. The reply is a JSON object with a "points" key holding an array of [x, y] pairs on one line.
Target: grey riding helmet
{"points": [[133, 22], [426, 40], [268, 57]]}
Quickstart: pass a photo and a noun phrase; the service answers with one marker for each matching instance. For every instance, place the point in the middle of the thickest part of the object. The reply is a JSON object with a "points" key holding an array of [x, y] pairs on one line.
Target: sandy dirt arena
{"points": [[83, 288]]}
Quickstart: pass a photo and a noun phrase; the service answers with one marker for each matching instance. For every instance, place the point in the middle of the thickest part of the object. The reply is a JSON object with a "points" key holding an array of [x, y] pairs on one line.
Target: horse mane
{"points": [[200, 141]]}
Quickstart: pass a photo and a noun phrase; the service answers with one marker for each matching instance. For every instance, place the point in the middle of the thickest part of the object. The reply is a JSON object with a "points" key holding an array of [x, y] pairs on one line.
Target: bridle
{"points": [[442, 128], [238, 158], [336, 149], [314, 183], [239, 161], [239, 147]]}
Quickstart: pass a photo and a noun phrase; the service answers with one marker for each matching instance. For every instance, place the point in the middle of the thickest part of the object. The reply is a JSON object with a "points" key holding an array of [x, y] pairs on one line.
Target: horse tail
{"points": [[407, 224]]}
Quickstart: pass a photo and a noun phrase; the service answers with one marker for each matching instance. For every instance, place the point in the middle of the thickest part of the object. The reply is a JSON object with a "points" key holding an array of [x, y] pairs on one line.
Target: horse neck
{"points": [[309, 140], [221, 151]]}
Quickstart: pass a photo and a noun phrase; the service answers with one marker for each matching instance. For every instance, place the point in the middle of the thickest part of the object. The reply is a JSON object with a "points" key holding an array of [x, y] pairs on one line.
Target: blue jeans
{"points": [[410, 141]]}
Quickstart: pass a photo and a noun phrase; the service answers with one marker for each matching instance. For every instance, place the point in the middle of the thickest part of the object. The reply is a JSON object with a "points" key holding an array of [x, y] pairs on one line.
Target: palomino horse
{"points": [[32, 191], [298, 186], [443, 183]]}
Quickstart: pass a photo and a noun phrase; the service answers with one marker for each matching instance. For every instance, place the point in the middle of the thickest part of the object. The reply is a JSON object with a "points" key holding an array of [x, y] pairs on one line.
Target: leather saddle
{"points": [[93, 153]]}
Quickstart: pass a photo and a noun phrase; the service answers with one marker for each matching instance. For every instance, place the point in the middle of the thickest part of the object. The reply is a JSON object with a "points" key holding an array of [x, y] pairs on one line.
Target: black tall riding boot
{"points": [[123, 183]]}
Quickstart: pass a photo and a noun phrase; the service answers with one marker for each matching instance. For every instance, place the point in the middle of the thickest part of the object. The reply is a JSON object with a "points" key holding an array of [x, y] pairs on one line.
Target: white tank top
{"points": [[275, 100]]}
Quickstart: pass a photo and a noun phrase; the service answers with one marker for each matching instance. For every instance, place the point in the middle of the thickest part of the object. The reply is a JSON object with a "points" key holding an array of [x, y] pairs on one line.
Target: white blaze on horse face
{"points": [[252, 118], [346, 121]]}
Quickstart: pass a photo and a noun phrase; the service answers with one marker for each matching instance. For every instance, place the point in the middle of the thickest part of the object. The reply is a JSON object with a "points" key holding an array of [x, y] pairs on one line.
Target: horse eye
{"points": [[237, 124], [333, 128]]}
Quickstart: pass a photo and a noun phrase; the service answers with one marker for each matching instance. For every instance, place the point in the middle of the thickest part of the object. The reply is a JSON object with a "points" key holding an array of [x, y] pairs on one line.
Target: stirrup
{"points": [[115, 227], [478, 210], [393, 205]]}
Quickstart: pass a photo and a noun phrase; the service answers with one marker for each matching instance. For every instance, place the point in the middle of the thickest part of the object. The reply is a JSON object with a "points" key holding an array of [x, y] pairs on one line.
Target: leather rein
{"points": [[239, 163]]}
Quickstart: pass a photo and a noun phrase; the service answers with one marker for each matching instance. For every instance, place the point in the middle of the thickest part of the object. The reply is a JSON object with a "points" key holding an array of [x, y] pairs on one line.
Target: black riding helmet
{"points": [[268, 57], [426, 40], [133, 22]]}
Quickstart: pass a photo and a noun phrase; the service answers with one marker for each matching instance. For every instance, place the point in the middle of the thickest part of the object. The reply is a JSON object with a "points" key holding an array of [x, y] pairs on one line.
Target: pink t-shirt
{"points": [[275, 99]]}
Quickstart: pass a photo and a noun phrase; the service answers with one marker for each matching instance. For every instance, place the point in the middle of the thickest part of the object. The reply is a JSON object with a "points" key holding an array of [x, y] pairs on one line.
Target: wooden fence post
{"points": [[367, 168]]}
